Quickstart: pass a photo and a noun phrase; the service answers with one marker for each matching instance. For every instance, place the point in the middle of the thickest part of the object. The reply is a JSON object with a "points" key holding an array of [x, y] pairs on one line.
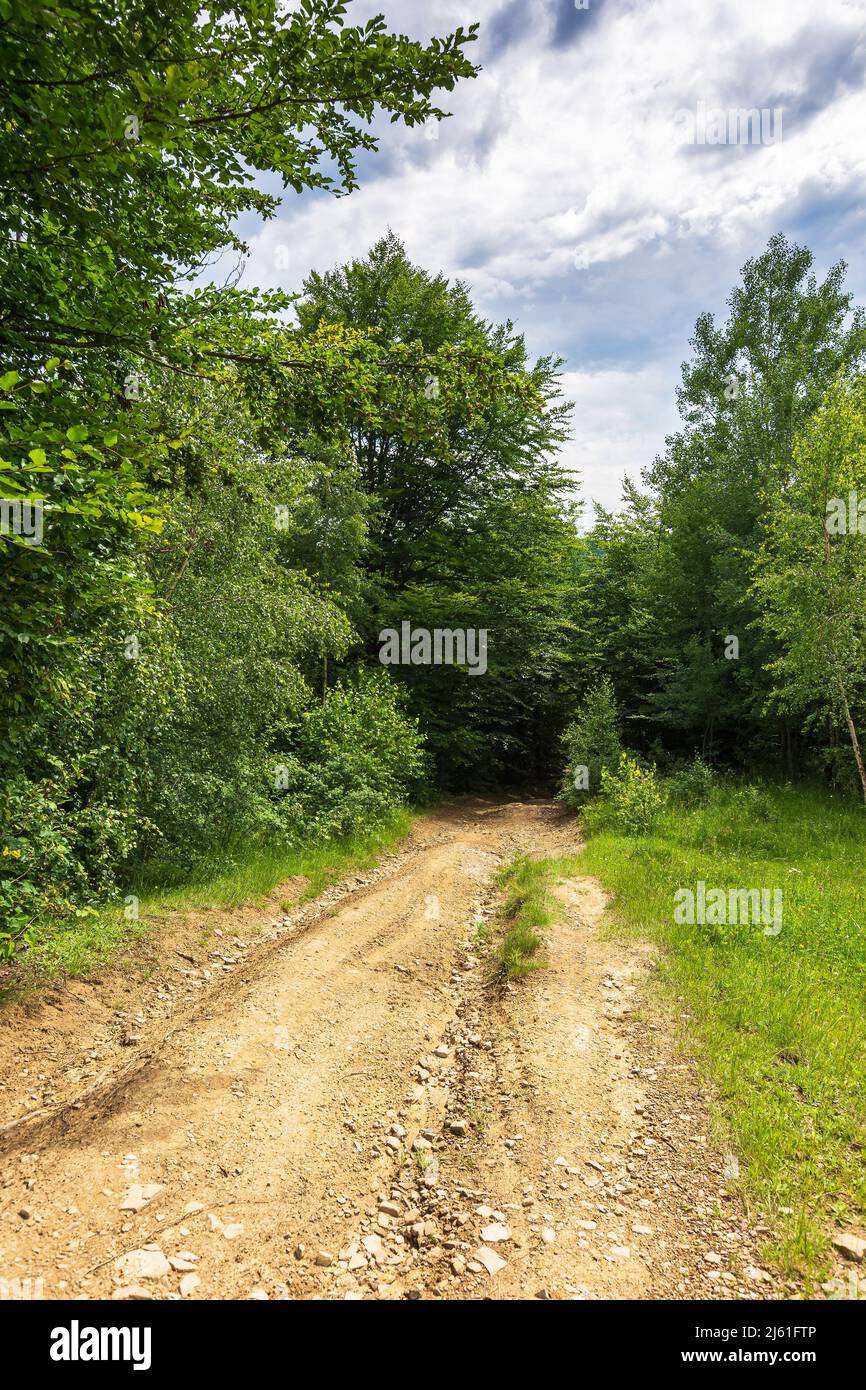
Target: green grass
{"points": [[528, 908], [778, 1021], [255, 870], [251, 872]]}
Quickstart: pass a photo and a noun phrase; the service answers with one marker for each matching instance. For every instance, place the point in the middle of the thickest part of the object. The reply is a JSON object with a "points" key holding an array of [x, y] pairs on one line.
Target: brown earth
{"points": [[337, 1105]]}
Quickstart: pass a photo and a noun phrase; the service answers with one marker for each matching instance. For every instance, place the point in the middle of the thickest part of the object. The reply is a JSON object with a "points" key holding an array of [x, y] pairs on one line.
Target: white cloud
{"points": [[620, 421], [561, 165]]}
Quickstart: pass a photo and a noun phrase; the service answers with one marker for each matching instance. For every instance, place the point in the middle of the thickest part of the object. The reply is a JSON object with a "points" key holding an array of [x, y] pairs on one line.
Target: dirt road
{"points": [[342, 1109]]}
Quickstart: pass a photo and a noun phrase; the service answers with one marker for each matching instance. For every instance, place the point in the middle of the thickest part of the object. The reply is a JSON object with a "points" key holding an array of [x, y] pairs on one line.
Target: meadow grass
{"points": [[246, 874], [778, 1021]]}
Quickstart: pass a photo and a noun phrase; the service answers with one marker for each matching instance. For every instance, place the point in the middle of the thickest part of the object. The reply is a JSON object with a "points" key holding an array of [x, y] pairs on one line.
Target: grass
{"points": [[777, 1021], [249, 875], [528, 908], [480, 932]]}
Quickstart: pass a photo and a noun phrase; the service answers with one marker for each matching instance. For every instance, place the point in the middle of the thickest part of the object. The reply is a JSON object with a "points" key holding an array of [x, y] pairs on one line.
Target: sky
{"points": [[571, 190]]}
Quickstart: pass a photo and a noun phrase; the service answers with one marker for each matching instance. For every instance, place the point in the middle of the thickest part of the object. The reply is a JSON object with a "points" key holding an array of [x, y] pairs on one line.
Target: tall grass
{"points": [[779, 1021]]}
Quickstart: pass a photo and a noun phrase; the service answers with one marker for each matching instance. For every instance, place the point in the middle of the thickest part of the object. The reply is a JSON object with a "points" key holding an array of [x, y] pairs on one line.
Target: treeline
{"points": [[215, 499], [729, 594]]}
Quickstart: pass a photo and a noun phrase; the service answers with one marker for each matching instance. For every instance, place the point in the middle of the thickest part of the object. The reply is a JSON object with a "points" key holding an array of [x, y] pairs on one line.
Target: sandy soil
{"points": [[334, 1104]]}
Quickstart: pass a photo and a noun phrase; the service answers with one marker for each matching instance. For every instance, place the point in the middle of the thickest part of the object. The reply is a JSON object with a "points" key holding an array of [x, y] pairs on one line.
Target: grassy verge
{"points": [[778, 1020], [528, 908], [253, 872]]}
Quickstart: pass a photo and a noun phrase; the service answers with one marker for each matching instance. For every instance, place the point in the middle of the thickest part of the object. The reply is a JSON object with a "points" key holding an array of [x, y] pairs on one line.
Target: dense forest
{"points": [[216, 500]]}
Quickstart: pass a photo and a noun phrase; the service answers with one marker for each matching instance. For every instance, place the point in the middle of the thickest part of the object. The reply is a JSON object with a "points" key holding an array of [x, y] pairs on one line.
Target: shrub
{"points": [[353, 759], [57, 859], [591, 742], [633, 796], [692, 784], [754, 803]]}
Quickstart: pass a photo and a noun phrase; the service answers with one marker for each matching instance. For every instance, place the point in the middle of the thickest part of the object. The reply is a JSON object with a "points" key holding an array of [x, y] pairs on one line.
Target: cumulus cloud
{"points": [[560, 191]]}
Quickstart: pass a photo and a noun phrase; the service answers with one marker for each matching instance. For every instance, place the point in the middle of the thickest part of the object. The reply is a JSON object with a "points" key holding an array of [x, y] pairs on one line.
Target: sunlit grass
{"points": [[778, 1021], [255, 870], [528, 908], [249, 875]]}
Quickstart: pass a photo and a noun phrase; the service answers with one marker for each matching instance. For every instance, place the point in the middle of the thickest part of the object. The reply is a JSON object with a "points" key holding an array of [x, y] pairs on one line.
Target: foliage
{"points": [[57, 860], [672, 574], [755, 802], [811, 578], [141, 689], [240, 488], [692, 784], [454, 436], [591, 744], [633, 797], [350, 760]]}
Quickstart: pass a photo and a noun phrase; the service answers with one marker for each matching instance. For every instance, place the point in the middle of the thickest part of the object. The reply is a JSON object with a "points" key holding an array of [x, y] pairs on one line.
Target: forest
{"points": [[238, 490], [216, 500], [284, 568]]}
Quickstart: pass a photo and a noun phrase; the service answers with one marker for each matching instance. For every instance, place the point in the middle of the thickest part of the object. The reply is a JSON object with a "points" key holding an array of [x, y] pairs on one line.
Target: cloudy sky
{"points": [[563, 190]]}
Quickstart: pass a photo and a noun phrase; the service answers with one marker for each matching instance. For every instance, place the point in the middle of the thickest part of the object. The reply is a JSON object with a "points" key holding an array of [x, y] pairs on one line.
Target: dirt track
{"points": [[351, 1113]]}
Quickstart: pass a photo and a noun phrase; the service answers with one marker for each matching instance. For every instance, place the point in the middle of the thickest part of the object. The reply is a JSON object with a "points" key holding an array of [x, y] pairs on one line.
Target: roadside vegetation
{"points": [[249, 875], [231, 493], [777, 1019], [527, 908]]}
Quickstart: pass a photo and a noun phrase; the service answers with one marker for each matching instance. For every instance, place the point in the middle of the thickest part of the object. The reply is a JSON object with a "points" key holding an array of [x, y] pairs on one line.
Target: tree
{"points": [[448, 410], [131, 138], [130, 135], [812, 580], [751, 384], [592, 744], [455, 437]]}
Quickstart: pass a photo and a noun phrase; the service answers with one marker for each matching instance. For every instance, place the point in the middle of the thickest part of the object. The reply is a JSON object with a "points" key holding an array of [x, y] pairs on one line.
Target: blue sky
{"points": [[560, 191]]}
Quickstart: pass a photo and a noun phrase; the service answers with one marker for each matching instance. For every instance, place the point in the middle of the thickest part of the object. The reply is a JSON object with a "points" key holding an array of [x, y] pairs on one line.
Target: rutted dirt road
{"points": [[349, 1112]]}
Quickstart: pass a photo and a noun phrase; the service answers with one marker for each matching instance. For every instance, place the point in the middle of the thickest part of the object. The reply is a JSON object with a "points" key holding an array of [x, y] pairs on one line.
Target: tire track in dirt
{"points": [[354, 1115]]}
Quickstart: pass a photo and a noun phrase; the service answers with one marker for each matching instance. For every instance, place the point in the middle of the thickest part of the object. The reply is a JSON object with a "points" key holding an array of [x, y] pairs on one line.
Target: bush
{"points": [[352, 761], [633, 796], [692, 784], [58, 860], [754, 803], [591, 743]]}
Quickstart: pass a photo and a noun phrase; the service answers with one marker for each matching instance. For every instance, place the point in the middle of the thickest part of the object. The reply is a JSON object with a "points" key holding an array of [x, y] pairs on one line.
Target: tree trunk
{"points": [[855, 742]]}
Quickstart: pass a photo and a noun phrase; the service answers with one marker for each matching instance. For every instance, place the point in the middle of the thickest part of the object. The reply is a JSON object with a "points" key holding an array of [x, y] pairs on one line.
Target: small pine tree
{"points": [[591, 742]]}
